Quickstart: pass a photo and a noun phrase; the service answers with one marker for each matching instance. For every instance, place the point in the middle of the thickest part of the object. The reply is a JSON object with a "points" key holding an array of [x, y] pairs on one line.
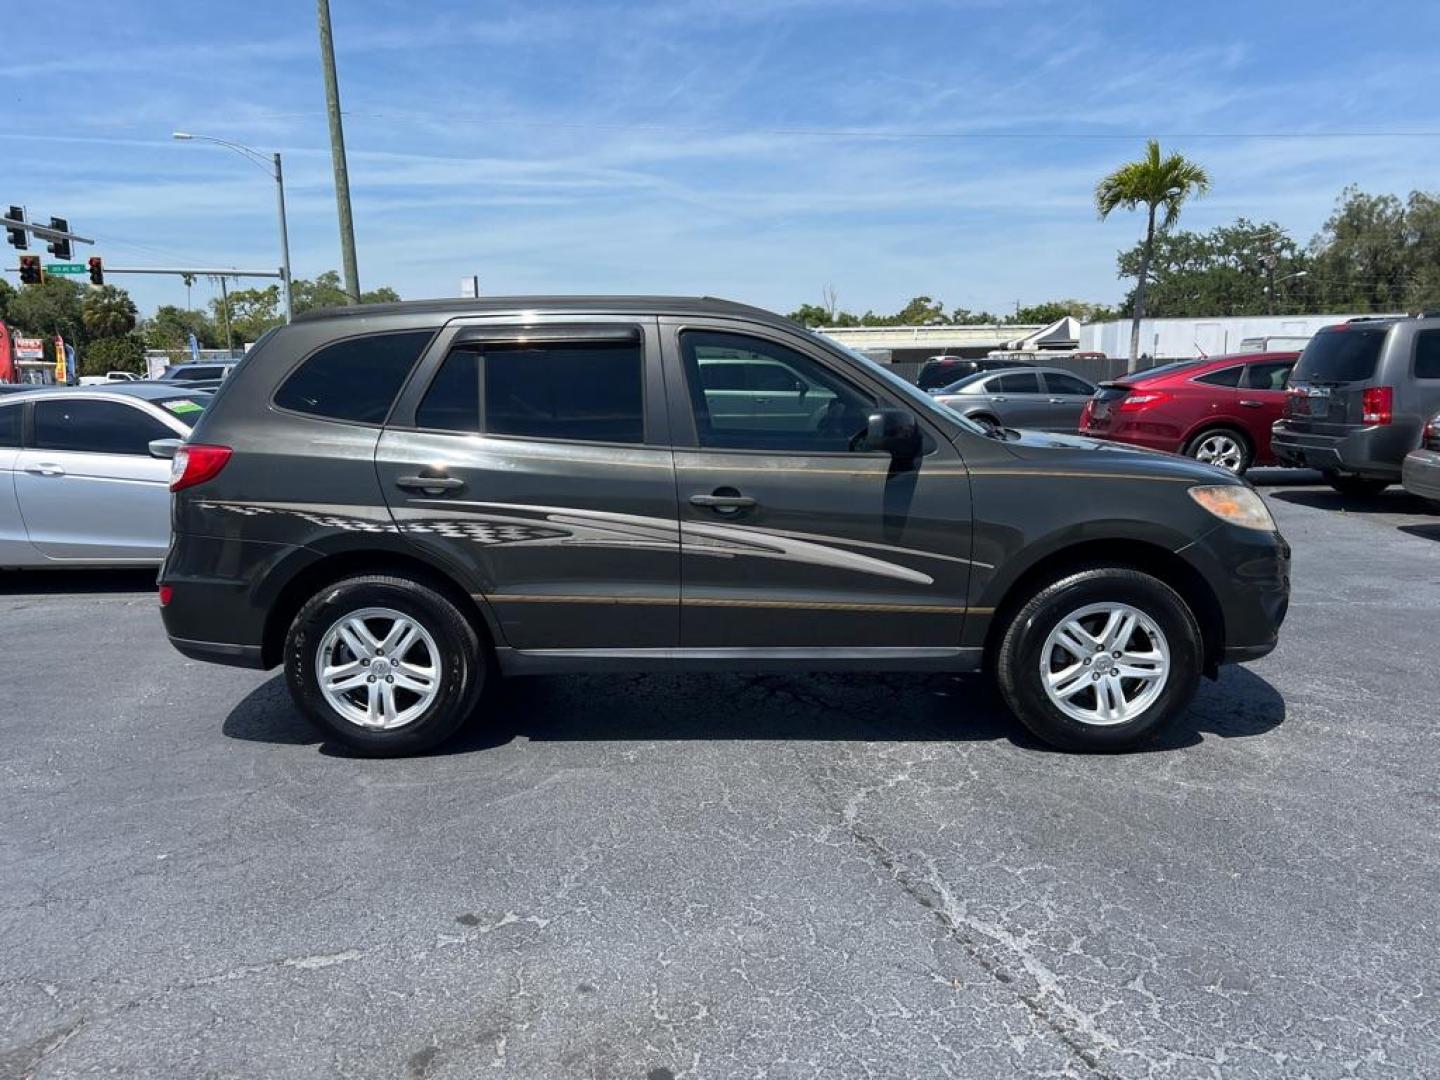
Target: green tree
{"points": [[49, 308], [170, 329], [326, 291], [1365, 257], [1054, 310], [811, 315], [7, 293], [1230, 270], [107, 312], [251, 313], [124, 353], [1155, 183]]}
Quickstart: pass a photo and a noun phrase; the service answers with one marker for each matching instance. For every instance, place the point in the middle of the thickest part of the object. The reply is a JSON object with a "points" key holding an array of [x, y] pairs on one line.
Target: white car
{"points": [[80, 484], [108, 377]]}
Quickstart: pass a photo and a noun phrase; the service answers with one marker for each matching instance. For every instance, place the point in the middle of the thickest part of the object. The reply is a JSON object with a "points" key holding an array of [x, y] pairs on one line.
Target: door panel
{"points": [[795, 544], [573, 543], [94, 506], [1017, 400], [1261, 402]]}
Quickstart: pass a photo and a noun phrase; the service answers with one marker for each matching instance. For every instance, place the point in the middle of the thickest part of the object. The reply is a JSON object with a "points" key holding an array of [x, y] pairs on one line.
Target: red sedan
{"points": [[1218, 409]]}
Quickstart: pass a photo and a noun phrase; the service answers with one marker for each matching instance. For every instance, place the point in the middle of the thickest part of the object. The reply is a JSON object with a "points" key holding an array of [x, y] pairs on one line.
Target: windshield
{"points": [[185, 409], [922, 401], [1341, 355]]}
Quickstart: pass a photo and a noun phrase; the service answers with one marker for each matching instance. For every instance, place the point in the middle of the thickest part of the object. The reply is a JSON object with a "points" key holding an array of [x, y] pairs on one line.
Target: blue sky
{"points": [[753, 149]]}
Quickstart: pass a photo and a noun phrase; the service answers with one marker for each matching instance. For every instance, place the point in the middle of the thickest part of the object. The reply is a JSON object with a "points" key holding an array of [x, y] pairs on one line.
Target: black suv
{"points": [[940, 371], [1358, 399], [399, 502]]}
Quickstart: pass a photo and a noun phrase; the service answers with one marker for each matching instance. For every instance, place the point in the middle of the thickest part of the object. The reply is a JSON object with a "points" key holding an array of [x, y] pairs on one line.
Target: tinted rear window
{"points": [[1427, 354], [10, 425], [355, 379], [1340, 356], [1161, 371]]}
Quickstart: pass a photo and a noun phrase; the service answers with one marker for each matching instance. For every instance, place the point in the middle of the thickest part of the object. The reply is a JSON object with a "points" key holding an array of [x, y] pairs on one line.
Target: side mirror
{"points": [[896, 432], [165, 448]]}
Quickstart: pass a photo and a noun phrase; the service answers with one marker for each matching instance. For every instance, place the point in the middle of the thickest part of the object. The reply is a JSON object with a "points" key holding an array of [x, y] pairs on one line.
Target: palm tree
{"points": [[1152, 182], [107, 312]]}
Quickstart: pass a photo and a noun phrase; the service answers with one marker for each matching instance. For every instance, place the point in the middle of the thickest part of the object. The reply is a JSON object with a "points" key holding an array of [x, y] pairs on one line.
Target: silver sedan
{"points": [[1042, 399], [79, 482]]}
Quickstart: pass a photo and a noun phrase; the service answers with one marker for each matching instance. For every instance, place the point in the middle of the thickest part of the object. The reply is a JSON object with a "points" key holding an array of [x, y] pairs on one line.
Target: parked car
{"points": [[1420, 472], [1358, 400], [1218, 410], [203, 374], [941, 371], [108, 377], [81, 480], [399, 502], [1043, 399]]}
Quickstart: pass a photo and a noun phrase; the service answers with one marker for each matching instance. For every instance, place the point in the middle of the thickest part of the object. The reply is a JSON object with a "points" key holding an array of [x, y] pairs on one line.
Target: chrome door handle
{"points": [[1056, 401], [429, 483], [45, 468], [1252, 404], [998, 398]]}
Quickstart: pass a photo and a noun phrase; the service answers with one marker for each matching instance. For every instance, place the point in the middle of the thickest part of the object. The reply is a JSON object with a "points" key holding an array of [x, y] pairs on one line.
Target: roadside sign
{"points": [[66, 268], [29, 348]]}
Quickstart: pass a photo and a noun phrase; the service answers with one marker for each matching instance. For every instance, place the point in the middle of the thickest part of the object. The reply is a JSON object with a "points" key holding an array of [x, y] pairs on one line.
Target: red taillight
{"points": [[1087, 412], [1136, 402], [194, 464], [1430, 438], [1377, 405], [166, 592]]}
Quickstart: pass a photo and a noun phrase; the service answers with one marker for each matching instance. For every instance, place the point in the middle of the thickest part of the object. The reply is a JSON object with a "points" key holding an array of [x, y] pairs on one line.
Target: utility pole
{"points": [[337, 154]]}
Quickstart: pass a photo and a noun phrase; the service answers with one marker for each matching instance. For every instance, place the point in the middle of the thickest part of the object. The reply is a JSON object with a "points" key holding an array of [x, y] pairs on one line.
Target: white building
{"points": [[1181, 338]]}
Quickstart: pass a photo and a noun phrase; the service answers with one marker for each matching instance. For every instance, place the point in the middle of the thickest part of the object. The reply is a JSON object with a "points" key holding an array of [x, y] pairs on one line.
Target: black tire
{"points": [[1242, 442], [1357, 487], [464, 662], [1019, 657]]}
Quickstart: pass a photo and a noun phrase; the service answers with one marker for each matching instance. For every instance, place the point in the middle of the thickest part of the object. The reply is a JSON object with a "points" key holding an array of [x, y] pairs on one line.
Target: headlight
{"points": [[1235, 505]]}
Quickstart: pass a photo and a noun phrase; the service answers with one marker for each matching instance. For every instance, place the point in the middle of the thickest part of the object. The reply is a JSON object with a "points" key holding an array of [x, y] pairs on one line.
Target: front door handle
{"points": [[429, 483], [45, 468], [1252, 404], [725, 501], [1056, 401]]}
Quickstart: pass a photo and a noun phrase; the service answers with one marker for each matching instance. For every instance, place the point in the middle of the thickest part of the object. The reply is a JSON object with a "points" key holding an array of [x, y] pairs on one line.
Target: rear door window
{"points": [[1427, 354], [452, 403], [1067, 384], [96, 427], [581, 391], [355, 379], [10, 425], [1026, 382], [1229, 376], [1341, 356], [1270, 375]]}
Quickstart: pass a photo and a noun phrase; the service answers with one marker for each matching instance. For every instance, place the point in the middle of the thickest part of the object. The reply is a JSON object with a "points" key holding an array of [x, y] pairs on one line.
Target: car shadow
{"points": [[1265, 476], [1393, 500], [1425, 532], [62, 581], [818, 708]]}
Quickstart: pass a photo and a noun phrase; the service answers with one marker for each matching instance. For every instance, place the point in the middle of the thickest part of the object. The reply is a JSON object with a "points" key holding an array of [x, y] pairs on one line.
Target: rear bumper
{"points": [[1134, 435], [1420, 473], [1369, 451], [222, 591]]}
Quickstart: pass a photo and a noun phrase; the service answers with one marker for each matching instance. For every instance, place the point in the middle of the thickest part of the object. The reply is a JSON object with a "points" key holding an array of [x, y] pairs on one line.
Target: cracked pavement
{"points": [[732, 876]]}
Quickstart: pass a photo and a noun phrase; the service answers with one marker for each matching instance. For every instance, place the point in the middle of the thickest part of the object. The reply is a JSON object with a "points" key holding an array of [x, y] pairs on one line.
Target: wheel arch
{"points": [[1129, 553], [1209, 424], [329, 568]]}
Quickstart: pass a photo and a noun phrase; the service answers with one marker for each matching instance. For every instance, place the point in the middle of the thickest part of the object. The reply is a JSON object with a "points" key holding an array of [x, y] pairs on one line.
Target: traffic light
{"points": [[31, 273], [59, 247], [97, 271], [17, 236]]}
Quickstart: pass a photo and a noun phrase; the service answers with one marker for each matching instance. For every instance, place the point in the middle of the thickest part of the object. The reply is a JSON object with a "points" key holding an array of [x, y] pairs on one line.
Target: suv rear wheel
{"points": [[1225, 447], [387, 665], [1355, 486], [1100, 660]]}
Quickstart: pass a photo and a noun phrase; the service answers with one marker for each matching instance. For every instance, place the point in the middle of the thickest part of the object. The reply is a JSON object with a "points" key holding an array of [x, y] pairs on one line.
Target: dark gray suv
{"points": [[400, 502], [1358, 398]]}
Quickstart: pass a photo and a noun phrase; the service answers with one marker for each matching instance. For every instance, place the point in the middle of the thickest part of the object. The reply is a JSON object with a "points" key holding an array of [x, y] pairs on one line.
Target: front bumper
{"points": [[1370, 451], [1249, 572], [1420, 473]]}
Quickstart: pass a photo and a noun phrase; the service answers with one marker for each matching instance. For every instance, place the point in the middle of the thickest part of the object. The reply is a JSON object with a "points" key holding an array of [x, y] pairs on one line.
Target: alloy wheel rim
{"points": [[1222, 450], [1105, 664], [378, 668]]}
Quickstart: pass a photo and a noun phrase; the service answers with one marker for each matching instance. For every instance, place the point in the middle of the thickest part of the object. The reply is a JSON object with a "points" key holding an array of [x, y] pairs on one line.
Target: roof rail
{"points": [[1371, 318]]}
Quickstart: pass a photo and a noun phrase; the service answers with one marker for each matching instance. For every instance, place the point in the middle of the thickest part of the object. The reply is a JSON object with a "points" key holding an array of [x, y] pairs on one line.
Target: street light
{"points": [[272, 166]]}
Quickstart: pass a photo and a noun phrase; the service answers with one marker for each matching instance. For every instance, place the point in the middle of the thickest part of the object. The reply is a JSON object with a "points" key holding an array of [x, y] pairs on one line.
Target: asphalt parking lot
{"points": [[732, 876]]}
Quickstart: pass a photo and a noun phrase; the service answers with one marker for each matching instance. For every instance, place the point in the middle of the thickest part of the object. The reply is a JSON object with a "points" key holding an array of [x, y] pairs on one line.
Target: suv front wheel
{"points": [[387, 665], [1100, 660]]}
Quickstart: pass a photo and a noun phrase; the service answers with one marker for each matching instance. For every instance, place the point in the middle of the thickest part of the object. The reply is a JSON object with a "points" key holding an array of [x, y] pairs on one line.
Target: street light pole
{"points": [[337, 153], [272, 166]]}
